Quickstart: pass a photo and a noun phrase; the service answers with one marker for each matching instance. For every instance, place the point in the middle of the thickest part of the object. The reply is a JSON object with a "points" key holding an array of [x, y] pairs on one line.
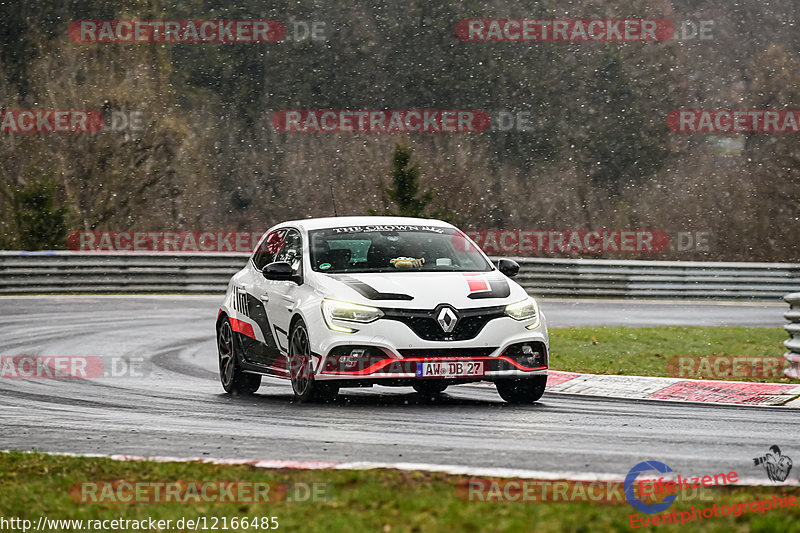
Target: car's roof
{"points": [[337, 222]]}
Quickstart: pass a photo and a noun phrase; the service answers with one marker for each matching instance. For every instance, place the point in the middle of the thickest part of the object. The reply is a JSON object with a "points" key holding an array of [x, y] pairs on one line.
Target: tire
{"points": [[305, 388], [234, 381], [521, 391], [432, 386]]}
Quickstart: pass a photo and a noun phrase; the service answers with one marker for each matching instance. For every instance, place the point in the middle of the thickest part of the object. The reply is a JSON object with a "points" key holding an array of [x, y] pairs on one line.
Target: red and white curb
{"points": [[675, 389], [455, 470]]}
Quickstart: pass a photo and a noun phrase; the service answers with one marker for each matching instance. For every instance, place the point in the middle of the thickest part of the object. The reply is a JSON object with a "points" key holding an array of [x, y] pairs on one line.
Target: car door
{"points": [[254, 295], [283, 294]]}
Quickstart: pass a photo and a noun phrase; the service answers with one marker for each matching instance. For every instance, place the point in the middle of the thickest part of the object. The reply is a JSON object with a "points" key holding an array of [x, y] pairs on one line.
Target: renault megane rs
{"points": [[358, 301]]}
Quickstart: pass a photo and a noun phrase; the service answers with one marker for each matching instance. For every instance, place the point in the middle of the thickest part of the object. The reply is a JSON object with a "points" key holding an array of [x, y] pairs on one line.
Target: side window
{"points": [[292, 251], [267, 248]]}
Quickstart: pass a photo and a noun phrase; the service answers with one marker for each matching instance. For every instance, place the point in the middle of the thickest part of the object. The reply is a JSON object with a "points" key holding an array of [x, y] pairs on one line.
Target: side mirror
{"points": [[508, 267], [278, 271]]}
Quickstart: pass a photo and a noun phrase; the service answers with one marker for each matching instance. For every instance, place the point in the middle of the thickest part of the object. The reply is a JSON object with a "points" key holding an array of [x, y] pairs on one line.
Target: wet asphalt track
{"points": [[175, 406]]}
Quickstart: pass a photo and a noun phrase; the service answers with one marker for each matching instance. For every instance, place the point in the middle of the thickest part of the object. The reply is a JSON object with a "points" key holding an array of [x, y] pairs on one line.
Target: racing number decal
{"points": [[476, 283], [479, 287]]}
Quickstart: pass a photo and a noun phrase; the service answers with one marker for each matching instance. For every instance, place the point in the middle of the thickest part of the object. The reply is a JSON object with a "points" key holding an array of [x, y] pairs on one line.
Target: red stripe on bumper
{"points": [[385, 362]]}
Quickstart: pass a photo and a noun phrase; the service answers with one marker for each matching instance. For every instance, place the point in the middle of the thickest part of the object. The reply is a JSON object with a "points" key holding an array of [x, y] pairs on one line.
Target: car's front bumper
{"points": [[391, 368], [394, 352]]}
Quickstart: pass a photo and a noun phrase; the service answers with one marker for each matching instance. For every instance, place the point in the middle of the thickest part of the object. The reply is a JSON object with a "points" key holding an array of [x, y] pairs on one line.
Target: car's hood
{"points": [[423, 290]]}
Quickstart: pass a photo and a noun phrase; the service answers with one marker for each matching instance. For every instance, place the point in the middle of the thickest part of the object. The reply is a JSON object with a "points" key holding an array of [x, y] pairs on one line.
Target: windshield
{"points": [[394, 248]]}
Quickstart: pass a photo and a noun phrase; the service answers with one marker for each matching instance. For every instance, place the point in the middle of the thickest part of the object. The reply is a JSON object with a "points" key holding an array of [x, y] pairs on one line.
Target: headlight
{"points": [[336, 310], [523, 310]]}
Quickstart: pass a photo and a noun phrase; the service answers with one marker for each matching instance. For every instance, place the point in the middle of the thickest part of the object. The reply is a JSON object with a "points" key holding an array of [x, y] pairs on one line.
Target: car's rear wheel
{"points": [[233, 379], [520, 391], [430, 386], [301, 371]]}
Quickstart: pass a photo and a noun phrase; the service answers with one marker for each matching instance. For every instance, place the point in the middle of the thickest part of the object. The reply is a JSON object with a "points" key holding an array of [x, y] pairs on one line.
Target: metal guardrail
{"points": [[71, 272], [658, 279], [793, 329]]}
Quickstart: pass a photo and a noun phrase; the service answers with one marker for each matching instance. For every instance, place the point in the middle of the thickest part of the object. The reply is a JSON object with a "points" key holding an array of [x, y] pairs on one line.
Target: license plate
{"points": [[450, 369]]}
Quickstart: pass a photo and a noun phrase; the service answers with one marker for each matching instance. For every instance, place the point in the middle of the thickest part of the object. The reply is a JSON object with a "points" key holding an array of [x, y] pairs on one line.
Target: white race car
{"points": [[358, 301]]}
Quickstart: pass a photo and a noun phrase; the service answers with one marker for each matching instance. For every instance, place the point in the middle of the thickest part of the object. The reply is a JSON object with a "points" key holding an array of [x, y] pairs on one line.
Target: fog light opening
{"points": [[530, 354], [350, 361]]}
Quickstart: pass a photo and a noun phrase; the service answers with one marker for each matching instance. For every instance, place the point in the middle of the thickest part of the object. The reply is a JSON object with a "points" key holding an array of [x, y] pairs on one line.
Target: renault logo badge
{"points": [[447, 319]]}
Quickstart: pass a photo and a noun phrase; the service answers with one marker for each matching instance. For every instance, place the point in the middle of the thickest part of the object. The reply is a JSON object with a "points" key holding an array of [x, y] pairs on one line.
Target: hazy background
{"points": [[599, 154]]}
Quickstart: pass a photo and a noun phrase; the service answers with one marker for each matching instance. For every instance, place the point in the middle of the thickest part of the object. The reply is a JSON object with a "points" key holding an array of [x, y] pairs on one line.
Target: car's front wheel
{"points": [[234, 381], [301, 371], [520, 391]]}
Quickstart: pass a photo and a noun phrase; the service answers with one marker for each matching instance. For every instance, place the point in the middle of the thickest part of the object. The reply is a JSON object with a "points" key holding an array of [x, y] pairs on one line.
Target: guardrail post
{"points": [[793, 329]]}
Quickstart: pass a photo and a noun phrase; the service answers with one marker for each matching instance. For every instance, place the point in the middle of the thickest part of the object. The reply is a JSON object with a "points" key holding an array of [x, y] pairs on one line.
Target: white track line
{"points": [[456, 470]]}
